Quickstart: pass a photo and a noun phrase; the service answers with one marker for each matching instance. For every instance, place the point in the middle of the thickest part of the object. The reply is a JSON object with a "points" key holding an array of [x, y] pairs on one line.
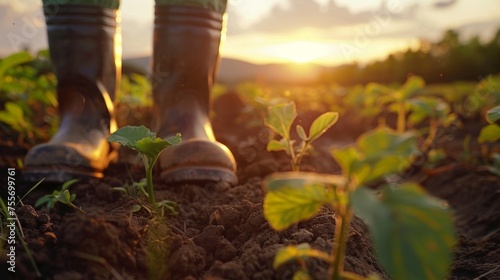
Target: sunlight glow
{"points": [[299, 51]]}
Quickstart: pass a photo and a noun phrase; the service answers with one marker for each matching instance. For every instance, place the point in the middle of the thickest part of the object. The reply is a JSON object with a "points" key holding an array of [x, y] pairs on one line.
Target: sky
{"points": [[327, 32]]}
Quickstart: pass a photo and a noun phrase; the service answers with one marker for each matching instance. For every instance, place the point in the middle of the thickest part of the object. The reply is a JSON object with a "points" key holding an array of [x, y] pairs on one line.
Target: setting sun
{"points": [[300, 51]]}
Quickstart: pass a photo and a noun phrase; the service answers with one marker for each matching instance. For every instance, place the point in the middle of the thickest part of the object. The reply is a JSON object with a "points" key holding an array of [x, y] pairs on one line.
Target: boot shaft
{"points": [[85, 49], [186, 42]]}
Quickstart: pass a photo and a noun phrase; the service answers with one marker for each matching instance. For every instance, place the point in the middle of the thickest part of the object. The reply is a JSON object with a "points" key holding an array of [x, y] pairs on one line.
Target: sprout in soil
{"points": [[142, 140], [412, 232], [280, 119], [62, 196]]}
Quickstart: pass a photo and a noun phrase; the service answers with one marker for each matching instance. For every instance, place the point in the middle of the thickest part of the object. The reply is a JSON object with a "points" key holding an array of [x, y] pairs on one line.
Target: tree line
{"points": [[447, 60]]}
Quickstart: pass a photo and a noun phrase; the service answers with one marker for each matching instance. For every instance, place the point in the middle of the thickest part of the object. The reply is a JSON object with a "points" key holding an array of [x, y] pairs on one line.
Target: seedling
{"points": [[491, 132], [486, 93], [412, 231], [62, 196], [142, 140], [436, 110], [280, 119], [413, 108]]}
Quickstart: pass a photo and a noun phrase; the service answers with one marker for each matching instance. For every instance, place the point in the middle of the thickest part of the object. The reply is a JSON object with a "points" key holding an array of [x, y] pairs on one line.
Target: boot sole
{"points": [[57, 174], [199, 174]]}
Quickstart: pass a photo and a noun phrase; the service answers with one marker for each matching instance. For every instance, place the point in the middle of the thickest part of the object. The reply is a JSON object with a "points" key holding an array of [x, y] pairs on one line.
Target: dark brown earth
{"points": [[220, 231]]}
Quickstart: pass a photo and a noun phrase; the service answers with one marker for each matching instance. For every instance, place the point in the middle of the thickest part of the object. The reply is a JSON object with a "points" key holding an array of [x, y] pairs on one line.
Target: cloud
{"points": [[307, 13], [486, 29], [444, 4]]}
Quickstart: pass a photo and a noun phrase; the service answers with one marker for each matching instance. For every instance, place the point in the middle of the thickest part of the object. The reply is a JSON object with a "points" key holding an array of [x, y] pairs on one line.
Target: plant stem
{"points": [[401, 117], [295, 166], [342, 224], [433, 129], [76, 207], [149, 180], [298, 158]]}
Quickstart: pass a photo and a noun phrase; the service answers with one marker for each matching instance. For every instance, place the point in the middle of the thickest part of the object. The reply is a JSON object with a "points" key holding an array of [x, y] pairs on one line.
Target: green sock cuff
{"points": [[218, 6], [110, 4]]}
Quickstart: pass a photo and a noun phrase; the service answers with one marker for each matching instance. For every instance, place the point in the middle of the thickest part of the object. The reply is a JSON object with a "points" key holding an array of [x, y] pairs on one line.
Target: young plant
{"points": [[142, 140], [397, 100], [491, 132], [136, 189], [413, 109], [437, 111], [62, 196], [412, 232], [280, 119]]}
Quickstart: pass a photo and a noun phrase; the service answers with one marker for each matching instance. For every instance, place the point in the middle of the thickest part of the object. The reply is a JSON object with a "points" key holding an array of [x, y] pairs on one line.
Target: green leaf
{"points": [[275, 145], [302, 133], [141, 139], [174, 140], [129, 135], [346, 275], [350, 160], [383, 142], [374, 89], [13, 115], [14, 109], [411, 87], [489, 133], [322, 124], [378, 153], [153, 147], [10, 120], [493, 114], [42, 200], [386, 152], [299, 252], [280, 118], [13, 60], [135, 208], [44, 53], [64, 197], [301, 275], [412, 232], [427, 107], [68, 184], [169, 205], [295, 196]]}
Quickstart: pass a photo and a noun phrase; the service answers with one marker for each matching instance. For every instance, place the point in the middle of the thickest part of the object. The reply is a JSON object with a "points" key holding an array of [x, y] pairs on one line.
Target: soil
{"points": [[219, 231]]}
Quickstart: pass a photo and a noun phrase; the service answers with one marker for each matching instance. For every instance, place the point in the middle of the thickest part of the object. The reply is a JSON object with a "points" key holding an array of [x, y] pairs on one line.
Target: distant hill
{"points": [[234, 71]]}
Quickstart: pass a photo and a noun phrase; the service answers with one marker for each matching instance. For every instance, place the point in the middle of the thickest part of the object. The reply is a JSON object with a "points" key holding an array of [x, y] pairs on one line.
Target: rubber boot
{"points": [[185, 61], [82, 41]]}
